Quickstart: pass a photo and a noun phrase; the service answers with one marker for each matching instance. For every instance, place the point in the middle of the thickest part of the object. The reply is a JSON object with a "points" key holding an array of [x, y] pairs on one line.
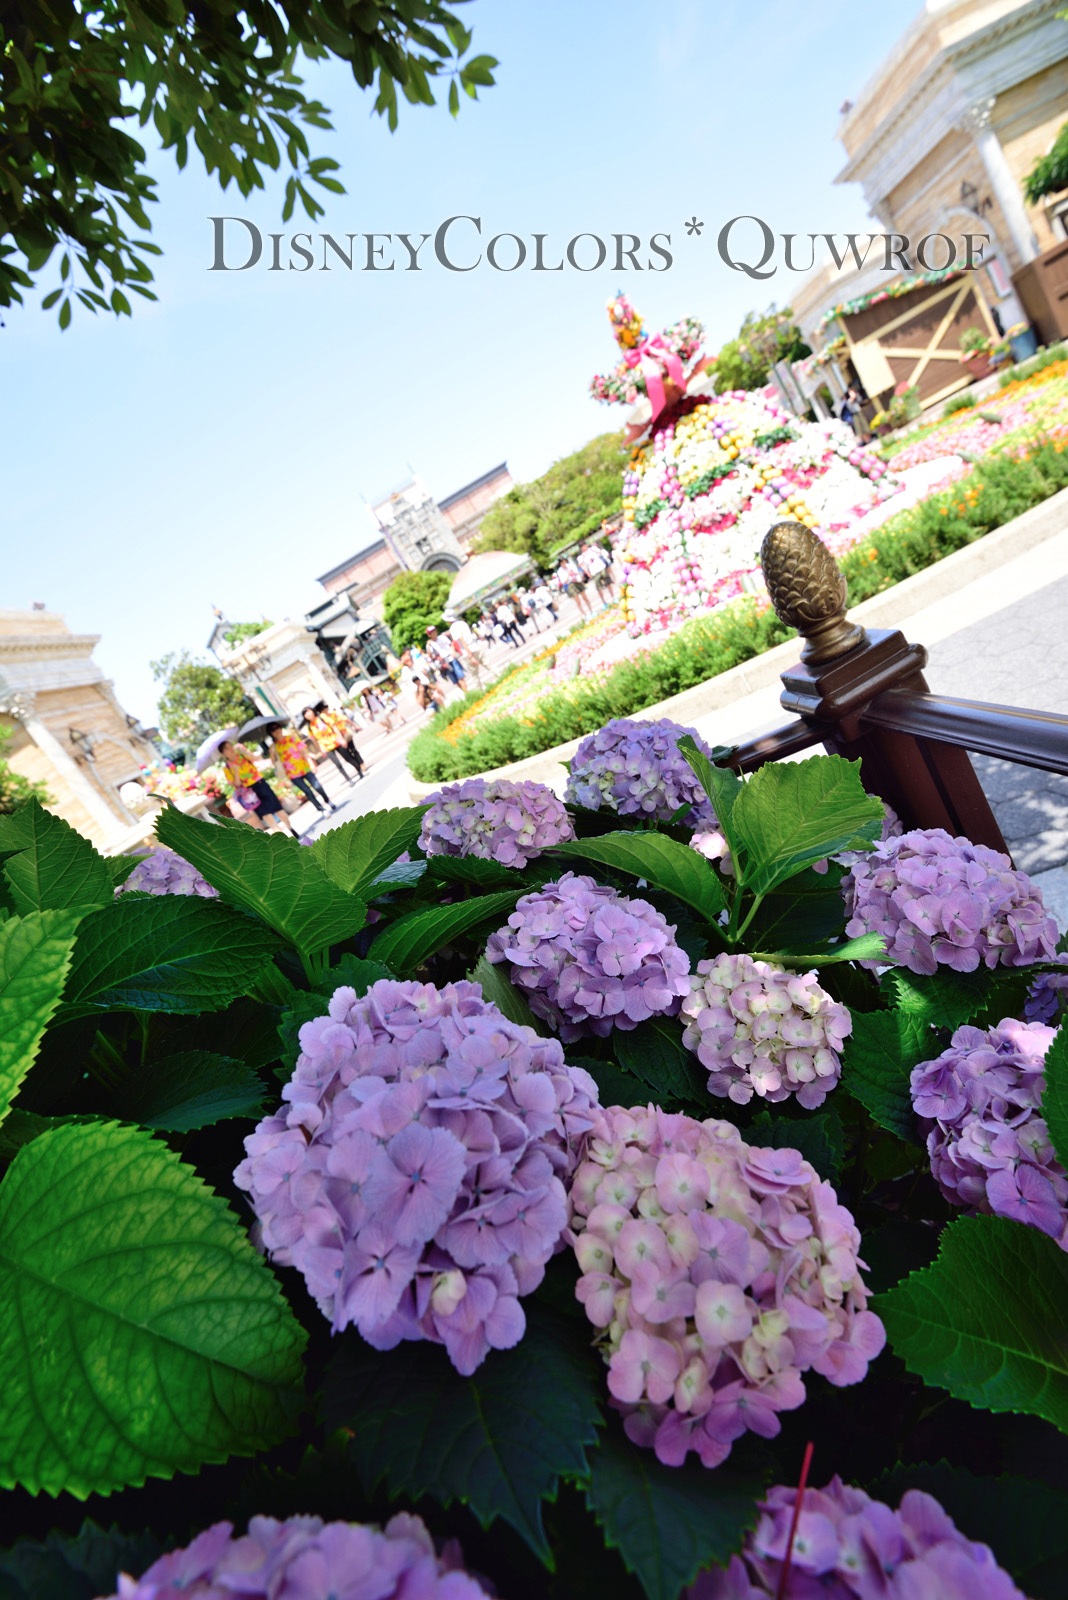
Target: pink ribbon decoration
{"points": [[654, 359]]}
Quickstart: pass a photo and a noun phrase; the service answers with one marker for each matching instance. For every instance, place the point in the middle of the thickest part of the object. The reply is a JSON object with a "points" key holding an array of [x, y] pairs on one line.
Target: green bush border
{"points": [[1000, 488]]}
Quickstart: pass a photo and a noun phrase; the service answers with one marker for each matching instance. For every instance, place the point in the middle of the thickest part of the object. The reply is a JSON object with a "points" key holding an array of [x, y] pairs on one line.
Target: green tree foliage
{"points": [[412, 604], [569, 501], [15, 790], [198, 698], [1050, 172], [245, 630], [220, 76], [744, 363]]}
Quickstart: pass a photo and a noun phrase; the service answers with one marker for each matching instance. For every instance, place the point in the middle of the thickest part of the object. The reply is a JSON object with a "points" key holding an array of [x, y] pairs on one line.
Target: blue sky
{"points": [[216, 447]]}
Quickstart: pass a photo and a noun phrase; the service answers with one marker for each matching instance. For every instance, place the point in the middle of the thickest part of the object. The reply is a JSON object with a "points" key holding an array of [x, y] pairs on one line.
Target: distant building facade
{"points": [[68, 729], [465, 509]]}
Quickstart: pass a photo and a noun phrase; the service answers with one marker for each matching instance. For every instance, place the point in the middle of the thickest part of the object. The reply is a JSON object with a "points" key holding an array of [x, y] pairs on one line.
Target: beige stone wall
{"points": [[33, 764], [1027, 119]]}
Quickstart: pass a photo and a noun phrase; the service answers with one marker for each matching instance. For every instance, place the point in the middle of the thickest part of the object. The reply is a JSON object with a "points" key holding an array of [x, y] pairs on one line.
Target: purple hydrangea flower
{"points": [[848, 1545], [980, 1103], [637, 769], [937, 899], [163, 872], [589, 959], [762, 1030], [717, 1275], [304, 1558], [500, 821], [1047, 998], [416, 1174]]}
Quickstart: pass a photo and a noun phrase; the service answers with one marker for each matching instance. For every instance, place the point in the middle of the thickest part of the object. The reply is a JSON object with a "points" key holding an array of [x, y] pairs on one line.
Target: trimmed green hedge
{"points": [[999, 489]]}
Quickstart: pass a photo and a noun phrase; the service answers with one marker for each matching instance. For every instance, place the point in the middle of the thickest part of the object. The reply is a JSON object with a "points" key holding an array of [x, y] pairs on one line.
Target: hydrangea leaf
{"points": [[140, 1333], [35, 953], [498, 1441], [663, 862], [654, 1053], [792, 813], [1025, 1523], [398, 875], [353, 855], [617, 1087], [804, 911], [496, 987], [986, 1320], [303, 1008], [483, 874], [52, 866], [667, 1522], [720, 784], [269, 874], [192, 1089], [1055, 1094], [403, 944], [946, 999], [818, 1135], [352, 972], [877, 1059], [865, 947], [165, 953], [74, 1566]]}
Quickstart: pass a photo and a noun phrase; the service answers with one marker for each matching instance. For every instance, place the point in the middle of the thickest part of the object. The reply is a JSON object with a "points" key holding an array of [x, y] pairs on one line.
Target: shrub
{"points": [[958, 402]]}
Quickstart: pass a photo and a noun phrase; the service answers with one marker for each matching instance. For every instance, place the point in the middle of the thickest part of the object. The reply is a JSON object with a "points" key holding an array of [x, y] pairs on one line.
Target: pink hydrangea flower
{"points": [[164, 872], [716, 1275], [415, 1174], [762, 1030], [636, 768], [497, 820]]}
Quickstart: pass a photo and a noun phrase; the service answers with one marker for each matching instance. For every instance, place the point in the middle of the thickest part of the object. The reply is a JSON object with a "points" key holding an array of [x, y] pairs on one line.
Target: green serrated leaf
{"points": [[303, 1008], [74, 1566], [164, 953], [482, 874], [721, 786], [865, 947], [353, 855], [792, 813], [667, 1522], [496, 988], [654, 1053], [945, 999], [403, 944], [35, 954], [52, 866], [615, 1086], [819, 1136], [663, 862], [986, 1320], [192, 1089], [1055, 1094], [499, 1441], [140, 1333], [1025, 1523], [877, 1061], [270, 875], [355, 973]]}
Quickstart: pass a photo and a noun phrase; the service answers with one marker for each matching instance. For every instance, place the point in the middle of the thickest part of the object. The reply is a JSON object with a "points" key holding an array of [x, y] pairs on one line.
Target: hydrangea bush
{"points": [[341, 1183], [719, 1274], [762, 1030], [637, 769], [589, 959], [499, 821]]}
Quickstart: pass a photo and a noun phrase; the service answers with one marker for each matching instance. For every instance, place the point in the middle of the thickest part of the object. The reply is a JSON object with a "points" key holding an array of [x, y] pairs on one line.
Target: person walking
{"points": [[333, 737], [505, 618], [253, 793], [597, 566], [543, 600], [292, 759], [444, 656], [575, 586]]}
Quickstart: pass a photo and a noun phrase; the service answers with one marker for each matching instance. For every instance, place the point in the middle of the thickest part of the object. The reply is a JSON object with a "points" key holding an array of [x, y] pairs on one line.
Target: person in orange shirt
{"points": [[292, 757], [261, 805], [333, 736]]}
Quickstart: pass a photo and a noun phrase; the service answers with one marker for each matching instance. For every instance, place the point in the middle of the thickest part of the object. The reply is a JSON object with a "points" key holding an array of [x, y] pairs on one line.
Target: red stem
{"points": [[784, 1576]]}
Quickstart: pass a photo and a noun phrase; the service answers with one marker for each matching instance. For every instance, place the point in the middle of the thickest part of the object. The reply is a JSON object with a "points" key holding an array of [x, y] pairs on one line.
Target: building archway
{"points": [[441, 561]]}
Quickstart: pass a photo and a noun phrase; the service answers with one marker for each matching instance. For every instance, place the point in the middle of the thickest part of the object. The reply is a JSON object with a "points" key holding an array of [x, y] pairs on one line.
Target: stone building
{"points": [[281, 669], [941, 139], [465, 508], [69, 731]]}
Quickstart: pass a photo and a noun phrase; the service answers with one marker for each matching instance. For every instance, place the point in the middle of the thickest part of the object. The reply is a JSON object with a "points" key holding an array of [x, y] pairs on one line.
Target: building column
{"points": [[21, 706], [318, 677], [1006, 189]]}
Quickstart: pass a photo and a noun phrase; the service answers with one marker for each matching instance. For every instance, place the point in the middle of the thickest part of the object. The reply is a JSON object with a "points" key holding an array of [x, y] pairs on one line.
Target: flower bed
{"points": [[1023, 409], [547, 1191]]}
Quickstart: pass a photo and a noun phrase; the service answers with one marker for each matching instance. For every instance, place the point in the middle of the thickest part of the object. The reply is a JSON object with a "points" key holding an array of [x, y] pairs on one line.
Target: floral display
{"points": [[177, 783], [937, 899], [718, 1275], [305, 1558], [980, 1103], [762, 1030], [589, 959], [164, 872], [645, 359], [846, 1544], [893, 291], [500, 821], [1008, 419], [636, 768], [415, 1177], [700, 496]]}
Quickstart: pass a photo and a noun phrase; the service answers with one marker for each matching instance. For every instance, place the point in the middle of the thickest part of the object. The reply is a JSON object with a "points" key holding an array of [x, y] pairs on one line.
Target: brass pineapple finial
{"points": [[808, 591]]}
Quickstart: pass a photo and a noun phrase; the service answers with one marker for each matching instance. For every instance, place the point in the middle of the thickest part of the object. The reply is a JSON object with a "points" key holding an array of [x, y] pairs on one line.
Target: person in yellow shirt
{"points": [[333, 736], [261, 805], [293, 758]]}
